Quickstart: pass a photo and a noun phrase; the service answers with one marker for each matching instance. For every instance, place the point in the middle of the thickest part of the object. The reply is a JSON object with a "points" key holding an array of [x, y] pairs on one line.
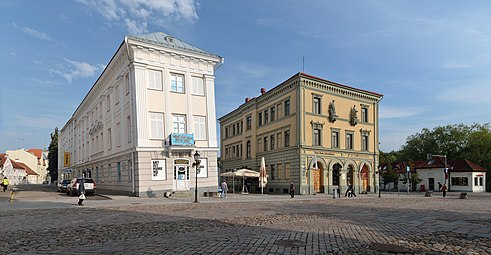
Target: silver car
{"points": [[62, 184]]}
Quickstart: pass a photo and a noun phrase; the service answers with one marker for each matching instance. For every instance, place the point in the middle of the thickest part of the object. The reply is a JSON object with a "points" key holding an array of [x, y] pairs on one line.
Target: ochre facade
{"points": [[320, 134]]}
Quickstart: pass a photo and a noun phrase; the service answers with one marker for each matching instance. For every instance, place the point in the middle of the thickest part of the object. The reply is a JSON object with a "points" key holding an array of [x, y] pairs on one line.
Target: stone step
{"points": [[181, 194]]}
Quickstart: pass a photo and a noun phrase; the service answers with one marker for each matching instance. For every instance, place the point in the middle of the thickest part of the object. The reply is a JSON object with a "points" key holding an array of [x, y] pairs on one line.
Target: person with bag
{"points": [[292, 189], [444, 190], [81, 192]]}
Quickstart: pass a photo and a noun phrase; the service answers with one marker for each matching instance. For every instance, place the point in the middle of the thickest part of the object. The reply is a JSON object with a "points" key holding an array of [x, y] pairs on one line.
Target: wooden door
{"points": [[317, 180]]}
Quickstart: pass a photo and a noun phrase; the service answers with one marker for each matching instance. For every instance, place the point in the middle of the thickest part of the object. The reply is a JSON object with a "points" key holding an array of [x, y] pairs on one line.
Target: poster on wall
{"points": [[203, 171], [158, 170]]}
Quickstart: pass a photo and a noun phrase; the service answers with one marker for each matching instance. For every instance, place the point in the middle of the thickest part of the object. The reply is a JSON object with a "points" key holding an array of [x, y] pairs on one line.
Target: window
{"points": [[349, 141], [476, 181], [198, 86], [335, 139], [364, 142], [278, 139], [248, 122], [271, 138], [233, 130], [240, 150], [130, 171], [273, 172], [119, 171], [273, 113], [266, 116], [481, 181], [108, 102], [128, 128], [287, 170], [287, 107], [279, 169], [248, 149], [179, 124], [265, 143], [127, 83], [460, 181], [316, 137], [177, 83], [200, 127], [317, 105], [287, 138], [259, 144], [157, 125], [155, 79], [278, 108], [118, 134], [260, 119], [364, 114]]}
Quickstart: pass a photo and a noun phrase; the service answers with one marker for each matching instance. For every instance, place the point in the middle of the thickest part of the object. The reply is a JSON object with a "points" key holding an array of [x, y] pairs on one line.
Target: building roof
{"points": [[339, 85], [459, 165], [161, 38], [20, 165], [2, 159], [37, 152]]}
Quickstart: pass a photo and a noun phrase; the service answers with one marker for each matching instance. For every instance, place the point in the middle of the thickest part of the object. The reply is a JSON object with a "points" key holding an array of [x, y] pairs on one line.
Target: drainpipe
{"points": [[133, 190]]}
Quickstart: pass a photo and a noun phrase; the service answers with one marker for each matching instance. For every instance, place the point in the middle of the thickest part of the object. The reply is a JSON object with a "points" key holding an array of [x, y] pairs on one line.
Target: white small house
{"points": [[462, 175]]}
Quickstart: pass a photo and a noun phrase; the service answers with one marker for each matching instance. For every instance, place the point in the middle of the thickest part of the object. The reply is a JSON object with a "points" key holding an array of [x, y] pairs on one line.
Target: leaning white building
{"points": [[150, 111]]}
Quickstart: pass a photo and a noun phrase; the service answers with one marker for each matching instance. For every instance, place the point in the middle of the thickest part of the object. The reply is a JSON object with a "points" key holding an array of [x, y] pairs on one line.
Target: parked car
{"points": [[62, 184], [89, 184]]}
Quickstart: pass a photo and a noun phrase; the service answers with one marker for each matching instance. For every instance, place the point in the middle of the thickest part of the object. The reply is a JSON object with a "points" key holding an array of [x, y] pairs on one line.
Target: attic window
{"points": [[169, 39], [431, 162]]}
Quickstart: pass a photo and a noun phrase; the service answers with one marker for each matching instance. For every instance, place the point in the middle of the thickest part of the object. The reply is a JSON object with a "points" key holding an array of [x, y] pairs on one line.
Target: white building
{"points": [[151, 109], [35, 160]]}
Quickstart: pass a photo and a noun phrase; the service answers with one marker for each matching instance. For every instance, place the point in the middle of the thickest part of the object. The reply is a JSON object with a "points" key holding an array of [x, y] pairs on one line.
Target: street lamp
{"points": [[196, 163], [379, 169]]}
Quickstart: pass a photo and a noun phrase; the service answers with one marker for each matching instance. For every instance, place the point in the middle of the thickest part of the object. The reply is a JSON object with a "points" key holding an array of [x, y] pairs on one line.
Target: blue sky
{"points": [[430, 59]]}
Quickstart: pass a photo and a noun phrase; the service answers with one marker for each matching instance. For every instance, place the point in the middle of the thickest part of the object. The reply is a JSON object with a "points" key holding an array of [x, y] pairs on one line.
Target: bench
{"points": [[210, 194]]}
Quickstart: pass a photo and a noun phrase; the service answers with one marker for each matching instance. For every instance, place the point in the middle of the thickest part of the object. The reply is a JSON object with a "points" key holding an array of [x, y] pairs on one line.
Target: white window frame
{"points": [[178, 124], [156, 125], [198, 86], [155, 79], [199, 128], [179, 87]]}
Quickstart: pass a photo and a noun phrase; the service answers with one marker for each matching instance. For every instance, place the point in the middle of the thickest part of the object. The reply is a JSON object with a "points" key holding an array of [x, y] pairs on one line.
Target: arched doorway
{"points": [[365, 179], [317, 174], [349, 176], [336, 169]]}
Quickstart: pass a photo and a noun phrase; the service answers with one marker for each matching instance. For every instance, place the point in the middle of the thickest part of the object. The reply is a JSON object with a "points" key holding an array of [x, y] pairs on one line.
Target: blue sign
{"points": [[182, 139]]}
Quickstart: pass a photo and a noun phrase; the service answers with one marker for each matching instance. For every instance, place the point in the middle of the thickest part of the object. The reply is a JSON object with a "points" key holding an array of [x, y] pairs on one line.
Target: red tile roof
{"points": [[459, 165], [37, 152], [20, 165]]}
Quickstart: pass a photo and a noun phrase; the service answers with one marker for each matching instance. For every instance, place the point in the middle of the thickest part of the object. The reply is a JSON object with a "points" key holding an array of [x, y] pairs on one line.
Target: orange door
{"points": [[317, 180]]}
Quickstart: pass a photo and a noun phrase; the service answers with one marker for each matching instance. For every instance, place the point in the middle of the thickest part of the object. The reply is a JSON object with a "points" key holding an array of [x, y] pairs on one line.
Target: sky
{"points": [[430, 59]]}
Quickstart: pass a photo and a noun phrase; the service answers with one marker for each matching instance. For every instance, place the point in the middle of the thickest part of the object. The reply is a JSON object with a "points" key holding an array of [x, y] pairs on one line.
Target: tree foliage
{"points": [[472, 142], [53, 156]]}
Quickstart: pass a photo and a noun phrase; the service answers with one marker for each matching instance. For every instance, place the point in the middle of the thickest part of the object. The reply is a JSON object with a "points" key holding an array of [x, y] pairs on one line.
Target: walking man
{"points": [[224, 189], [292, 189], [5, 183], [444, 190]]}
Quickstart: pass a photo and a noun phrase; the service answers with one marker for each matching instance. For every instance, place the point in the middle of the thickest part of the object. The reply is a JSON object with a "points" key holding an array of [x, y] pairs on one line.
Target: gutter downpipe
{"points": [[133, 119]]}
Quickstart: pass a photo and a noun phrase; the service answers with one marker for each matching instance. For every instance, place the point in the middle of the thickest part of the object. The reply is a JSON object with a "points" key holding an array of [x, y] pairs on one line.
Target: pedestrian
{"points": [[444, 190], [224, 189], [81, 192], [439, 186], [350, 192], [292, 189], [5, 183]]}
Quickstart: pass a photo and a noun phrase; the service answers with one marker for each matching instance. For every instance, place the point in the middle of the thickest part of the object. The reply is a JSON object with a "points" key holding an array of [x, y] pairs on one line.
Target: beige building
{"points": [[320, 134], [36, 160], [150, 111]]}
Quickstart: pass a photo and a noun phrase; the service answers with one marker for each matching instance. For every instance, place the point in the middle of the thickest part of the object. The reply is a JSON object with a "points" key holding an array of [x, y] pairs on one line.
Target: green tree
{"points": [[53, 156], [479, 146], [414, 180]]}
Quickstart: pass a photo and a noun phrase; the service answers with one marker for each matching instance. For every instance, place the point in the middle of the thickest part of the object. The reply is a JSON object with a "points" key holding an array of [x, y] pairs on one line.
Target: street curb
{"points": [[104, 196]]}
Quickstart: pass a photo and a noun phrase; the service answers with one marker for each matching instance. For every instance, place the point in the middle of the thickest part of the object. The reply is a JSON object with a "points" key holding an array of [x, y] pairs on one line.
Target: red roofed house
{"points": [[20, 174], [35, 160], [463, 175]]}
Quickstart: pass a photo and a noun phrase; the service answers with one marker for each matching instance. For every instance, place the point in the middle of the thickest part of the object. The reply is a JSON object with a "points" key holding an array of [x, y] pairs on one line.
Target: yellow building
{"points": [[320, 134]]}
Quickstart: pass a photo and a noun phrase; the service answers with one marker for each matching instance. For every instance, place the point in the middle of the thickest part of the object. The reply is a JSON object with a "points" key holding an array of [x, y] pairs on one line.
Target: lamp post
{"points": [[379, 168], [196, 163]]}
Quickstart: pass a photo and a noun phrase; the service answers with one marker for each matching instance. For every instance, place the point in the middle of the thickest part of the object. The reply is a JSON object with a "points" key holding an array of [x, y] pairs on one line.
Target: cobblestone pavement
{"points": [[252, 224]]}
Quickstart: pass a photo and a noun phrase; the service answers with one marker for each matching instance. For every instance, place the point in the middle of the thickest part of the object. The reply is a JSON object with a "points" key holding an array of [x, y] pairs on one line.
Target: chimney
{"points": [[247, 99], [263, 90]]}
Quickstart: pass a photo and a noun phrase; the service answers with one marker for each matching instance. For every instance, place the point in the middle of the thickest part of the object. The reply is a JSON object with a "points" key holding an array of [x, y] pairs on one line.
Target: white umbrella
{"points": [[263, 176]]}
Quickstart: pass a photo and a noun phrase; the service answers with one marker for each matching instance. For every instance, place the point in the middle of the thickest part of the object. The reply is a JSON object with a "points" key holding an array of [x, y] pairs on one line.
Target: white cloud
{"points": [[75, 69], [455, 65], [389, 112], [267, 22], [33, 32], [135, 15]]}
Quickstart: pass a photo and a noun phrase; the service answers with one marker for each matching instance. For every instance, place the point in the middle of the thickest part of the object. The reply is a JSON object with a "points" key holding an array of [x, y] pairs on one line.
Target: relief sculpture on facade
{"points": [[332, 112], [353, 116]]}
